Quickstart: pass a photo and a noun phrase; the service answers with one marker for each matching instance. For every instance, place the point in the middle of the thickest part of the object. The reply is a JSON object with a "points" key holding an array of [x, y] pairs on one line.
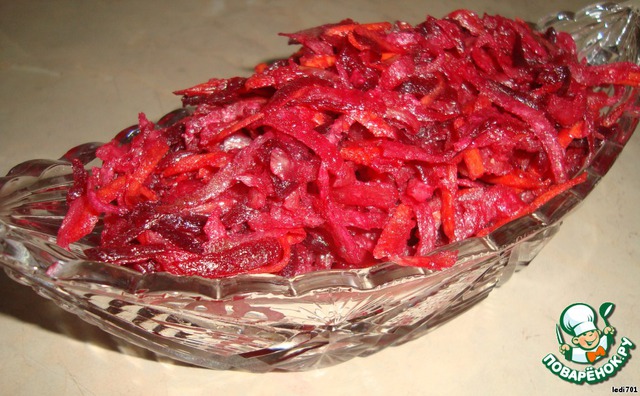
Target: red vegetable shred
{"points": [[371, 143]]}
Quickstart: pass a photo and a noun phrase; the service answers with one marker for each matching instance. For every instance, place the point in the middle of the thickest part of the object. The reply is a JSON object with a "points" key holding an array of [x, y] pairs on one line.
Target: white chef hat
{"points": [[578, 318]]}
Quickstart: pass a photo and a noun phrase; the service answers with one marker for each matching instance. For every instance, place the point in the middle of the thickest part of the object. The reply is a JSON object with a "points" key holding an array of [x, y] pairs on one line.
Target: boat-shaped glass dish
{"points": [[265, 322]]}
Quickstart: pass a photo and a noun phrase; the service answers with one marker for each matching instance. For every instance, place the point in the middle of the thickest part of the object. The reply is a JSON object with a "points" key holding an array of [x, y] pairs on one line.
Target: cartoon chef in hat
{"points": [[589, 343]]}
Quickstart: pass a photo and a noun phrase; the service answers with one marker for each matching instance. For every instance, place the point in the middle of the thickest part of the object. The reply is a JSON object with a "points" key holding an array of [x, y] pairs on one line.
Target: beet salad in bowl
{"points": [[378, 181]]}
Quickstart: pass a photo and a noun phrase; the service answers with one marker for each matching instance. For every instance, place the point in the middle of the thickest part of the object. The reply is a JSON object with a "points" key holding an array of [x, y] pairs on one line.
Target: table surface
{"points": [[78, 71]]}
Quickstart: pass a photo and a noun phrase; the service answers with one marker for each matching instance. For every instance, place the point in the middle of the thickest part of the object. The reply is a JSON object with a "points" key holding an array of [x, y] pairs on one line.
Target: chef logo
{"points": [[588, 344]]}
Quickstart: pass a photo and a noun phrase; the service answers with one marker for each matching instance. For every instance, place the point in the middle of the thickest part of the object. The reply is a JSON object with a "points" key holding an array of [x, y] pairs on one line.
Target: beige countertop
{"points": [[78, 71]]}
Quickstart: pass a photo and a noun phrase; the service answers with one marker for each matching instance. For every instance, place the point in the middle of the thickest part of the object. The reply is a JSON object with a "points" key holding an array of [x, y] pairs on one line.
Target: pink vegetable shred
{"points": [[371, 143]]}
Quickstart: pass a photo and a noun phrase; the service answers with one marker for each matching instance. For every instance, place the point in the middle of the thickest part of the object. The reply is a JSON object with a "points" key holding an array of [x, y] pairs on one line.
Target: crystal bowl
{"points": [[264, 322]]}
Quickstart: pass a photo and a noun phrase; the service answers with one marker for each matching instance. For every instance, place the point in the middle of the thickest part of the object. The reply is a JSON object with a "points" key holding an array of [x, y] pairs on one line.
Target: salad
{"points": [[371, 143]]}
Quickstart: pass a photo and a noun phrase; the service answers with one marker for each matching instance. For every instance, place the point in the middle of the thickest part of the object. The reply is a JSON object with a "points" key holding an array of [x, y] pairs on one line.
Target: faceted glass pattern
{"points": [[264, 322]]}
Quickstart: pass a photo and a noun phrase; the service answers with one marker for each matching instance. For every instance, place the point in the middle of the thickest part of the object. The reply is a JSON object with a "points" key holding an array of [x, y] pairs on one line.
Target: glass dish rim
{"points": [[362, 279]]}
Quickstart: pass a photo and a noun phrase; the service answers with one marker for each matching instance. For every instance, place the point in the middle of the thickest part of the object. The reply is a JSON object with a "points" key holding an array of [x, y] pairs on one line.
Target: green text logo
{"points": [[587, 344]]}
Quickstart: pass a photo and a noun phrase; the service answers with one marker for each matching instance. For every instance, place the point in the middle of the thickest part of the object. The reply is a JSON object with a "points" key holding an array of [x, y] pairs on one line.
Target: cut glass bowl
{"points": [[264, 322]]}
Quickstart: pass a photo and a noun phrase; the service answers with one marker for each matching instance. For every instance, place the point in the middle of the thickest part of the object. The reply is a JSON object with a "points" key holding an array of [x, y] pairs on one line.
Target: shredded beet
{"points": [[373, 142]]}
